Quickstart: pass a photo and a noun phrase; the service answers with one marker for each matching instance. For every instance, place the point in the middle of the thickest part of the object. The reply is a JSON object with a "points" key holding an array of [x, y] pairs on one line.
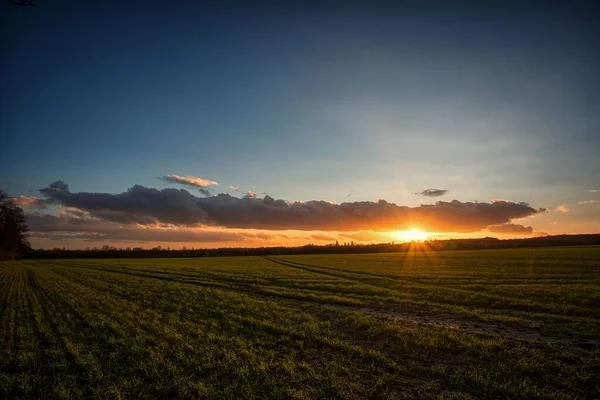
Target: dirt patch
{"points": [[515, 333]]}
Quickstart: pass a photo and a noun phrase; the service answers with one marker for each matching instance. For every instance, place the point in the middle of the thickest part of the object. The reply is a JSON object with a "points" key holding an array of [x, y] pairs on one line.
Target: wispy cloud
{"points": [[234, 188], [189, 180], [587, 202], [562, 208], [432, 192], [594, 190]]}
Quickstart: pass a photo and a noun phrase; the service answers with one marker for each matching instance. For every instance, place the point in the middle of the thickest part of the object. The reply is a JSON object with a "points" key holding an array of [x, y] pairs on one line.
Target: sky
{"points": [[284, 123]]}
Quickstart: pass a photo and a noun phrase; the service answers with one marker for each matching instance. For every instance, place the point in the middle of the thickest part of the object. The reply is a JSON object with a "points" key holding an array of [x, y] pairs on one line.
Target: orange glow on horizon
{"points": [[413, 235]]}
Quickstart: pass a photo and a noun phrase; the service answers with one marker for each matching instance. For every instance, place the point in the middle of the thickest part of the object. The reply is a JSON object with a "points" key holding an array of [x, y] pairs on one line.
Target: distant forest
{"points": [[352, 248]]}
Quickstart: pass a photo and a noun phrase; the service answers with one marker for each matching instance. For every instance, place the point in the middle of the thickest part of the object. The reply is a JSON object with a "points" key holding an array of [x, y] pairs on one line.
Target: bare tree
{"points": [[13, 229]]}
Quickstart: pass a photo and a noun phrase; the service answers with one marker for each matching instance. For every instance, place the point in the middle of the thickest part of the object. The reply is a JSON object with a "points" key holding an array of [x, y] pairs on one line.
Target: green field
{"points": [[504, 324]]}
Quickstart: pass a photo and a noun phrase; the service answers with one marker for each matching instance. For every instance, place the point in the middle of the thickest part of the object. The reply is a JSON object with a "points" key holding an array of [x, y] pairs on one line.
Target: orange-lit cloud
{"points": [[563, 208], [29, 202], [72, 212], [189, 180], [510, 228]]}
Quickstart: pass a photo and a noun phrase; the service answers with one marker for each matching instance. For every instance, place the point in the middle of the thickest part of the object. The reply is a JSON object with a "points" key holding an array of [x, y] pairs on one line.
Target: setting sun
{"points": [[413, 235]]}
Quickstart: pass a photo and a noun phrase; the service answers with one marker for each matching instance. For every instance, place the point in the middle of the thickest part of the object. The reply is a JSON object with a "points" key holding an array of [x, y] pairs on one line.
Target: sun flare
{"points": [[413, 235]]}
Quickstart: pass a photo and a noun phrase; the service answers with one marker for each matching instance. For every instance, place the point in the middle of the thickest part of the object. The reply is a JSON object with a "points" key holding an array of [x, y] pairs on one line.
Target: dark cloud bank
{"points": [[147, 206]]}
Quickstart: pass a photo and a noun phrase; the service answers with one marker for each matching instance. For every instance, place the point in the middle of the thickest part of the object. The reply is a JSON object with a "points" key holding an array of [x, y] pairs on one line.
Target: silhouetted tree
{"points": [[13, 229]]}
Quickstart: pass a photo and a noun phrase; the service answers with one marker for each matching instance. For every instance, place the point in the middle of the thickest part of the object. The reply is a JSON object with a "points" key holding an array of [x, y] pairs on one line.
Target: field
{"points": [[506, 324]]}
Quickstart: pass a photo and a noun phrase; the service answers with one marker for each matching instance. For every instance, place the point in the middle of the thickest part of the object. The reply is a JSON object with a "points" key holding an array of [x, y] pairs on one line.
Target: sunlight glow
{"points": [[414, 235]]}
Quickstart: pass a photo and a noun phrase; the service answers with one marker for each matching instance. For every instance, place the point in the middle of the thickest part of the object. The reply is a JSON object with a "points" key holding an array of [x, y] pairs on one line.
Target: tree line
{"points": [[434, 245]]}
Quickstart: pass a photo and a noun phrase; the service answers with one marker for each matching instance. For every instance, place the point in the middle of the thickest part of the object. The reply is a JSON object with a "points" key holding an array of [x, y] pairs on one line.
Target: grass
{"points": [[506, 324]]}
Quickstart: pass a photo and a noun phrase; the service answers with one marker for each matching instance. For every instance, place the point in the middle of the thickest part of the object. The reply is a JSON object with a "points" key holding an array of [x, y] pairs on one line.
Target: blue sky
{"points": [[349, 102]]}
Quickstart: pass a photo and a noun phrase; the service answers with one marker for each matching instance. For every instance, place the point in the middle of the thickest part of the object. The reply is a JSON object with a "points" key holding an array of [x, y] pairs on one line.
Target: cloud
{"points": [[205, 192], [511, 228], [72, 212], [89, 229], [147, 206], [562, 208], [189, 180], [321, 237], [587, 202], [59, 185], [594, 190], [234, 188], [260, 235], [30, 202], [138, 205], [250, 195], [433, 192]]}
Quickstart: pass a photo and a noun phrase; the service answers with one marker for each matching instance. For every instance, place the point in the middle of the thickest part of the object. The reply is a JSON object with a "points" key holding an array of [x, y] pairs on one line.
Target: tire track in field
{"points": [[72, 334], [57, 306], [6, 292], [521, 333], [21, 340], [349, 344], [426, 284], [75, 343], [441, 320], [256, 284], [241, 289], [9, 319], [272, 330], [47, 334], [379, 277], [70, 308], [527, 308], [291, 298], [92, 292], [254, 324]]}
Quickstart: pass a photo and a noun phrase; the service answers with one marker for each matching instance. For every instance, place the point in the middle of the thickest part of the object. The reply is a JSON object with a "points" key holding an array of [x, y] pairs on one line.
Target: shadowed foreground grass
{"points": [[521, 323]]}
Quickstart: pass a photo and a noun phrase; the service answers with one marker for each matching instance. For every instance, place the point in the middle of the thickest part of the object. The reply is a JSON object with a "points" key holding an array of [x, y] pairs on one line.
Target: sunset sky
{"points": [[177, 124]]}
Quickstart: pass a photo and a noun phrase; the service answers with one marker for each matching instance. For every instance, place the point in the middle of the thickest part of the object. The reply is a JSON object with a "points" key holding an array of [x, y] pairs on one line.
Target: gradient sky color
{"points": [[334, 101]]}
